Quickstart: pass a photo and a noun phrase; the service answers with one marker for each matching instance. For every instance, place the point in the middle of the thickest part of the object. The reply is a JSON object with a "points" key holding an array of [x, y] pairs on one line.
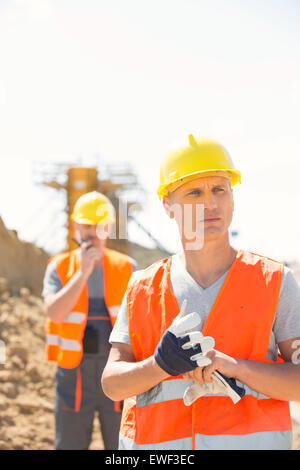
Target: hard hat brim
{"points": [[165, 189], [85, 221]]}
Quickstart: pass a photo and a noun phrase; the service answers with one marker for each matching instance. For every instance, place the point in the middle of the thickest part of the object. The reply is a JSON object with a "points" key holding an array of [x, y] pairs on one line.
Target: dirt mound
{"points": [[26, 380], [21, 262], [26, 383]]}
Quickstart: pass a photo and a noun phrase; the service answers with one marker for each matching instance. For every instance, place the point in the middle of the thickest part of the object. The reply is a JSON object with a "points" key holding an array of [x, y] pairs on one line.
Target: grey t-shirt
{"points": [[98, 320], [287, 319]]}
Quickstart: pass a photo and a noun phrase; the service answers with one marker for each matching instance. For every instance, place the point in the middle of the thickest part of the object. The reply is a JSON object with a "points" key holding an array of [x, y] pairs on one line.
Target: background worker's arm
{"points": [[279, 381], [60, 304], [123, 377]]}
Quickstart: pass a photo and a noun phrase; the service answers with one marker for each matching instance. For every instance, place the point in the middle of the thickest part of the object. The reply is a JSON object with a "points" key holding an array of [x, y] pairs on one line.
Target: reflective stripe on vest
{"points": [[174, 390], [275, 440], [240, 321], [67, 344], [64, 340]]}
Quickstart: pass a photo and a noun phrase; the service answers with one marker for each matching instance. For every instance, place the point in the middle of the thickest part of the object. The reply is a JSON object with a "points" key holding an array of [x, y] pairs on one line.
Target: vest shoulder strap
{"points": [[147, 275], [250, 258], [65, 264]]}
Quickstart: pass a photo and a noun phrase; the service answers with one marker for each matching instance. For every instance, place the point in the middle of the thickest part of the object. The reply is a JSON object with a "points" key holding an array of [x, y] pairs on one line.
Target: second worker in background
{"points": [[83, 290]]}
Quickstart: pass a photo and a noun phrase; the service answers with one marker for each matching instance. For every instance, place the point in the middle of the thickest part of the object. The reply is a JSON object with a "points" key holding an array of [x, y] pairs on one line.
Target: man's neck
{"points": [[207, 265]]}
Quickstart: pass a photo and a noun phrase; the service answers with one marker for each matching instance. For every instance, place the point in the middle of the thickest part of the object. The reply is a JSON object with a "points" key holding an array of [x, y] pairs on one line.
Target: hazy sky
{"points": [[129, 80]]}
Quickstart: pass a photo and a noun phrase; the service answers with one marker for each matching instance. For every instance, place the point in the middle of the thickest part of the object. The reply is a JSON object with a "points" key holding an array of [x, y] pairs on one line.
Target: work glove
{"points": [[181, 350], [220, 384]]}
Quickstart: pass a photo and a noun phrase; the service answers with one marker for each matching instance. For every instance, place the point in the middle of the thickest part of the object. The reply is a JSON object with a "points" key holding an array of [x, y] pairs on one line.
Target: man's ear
{"points": [[167, 206]]}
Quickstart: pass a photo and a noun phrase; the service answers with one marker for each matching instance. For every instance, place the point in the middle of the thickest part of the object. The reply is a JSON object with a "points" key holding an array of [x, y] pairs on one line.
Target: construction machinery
{"points": [[117, 181]]}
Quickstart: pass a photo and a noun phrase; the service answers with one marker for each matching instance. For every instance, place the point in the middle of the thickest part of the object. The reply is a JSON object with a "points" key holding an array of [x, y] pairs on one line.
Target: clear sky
{"points": [[129, 80]]}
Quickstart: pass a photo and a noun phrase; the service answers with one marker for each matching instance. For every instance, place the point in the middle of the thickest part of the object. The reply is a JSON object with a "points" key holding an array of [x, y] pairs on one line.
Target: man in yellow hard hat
{"points": [[195, 346], [83, 290]]}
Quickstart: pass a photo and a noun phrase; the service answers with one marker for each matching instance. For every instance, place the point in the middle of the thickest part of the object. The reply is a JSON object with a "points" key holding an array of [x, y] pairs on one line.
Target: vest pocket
{"points": [[90, 341]]}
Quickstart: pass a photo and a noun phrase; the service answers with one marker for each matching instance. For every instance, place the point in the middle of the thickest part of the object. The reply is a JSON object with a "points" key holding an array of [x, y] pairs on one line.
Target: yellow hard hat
{"points": [[93, 208], [200, 158]]}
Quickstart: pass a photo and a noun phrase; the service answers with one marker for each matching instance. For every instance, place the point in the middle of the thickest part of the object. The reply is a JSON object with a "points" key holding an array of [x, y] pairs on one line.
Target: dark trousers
{"points": [[73, 429]]}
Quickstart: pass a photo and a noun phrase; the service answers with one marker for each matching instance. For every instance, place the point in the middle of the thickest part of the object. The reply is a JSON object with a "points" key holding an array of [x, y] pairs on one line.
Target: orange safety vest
{"points": [[64, 340], [240, 321]]}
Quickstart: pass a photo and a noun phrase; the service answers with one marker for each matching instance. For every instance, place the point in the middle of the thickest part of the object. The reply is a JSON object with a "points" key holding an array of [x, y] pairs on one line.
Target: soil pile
{"points": [[22, 263], [26, 380]]}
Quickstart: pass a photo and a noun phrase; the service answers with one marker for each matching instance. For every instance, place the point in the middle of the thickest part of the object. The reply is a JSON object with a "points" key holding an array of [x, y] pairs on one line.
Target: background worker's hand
{"points": [[89, 256]]}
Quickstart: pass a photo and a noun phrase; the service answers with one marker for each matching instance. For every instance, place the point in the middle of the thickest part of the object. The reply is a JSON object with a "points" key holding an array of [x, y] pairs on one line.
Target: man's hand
{"points": [[211, 380], [227, 365], [179, 350], [89, 256]]}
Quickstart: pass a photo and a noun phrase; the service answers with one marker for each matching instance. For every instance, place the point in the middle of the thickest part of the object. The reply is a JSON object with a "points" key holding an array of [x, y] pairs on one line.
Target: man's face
{"points": [[203, 206]]}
